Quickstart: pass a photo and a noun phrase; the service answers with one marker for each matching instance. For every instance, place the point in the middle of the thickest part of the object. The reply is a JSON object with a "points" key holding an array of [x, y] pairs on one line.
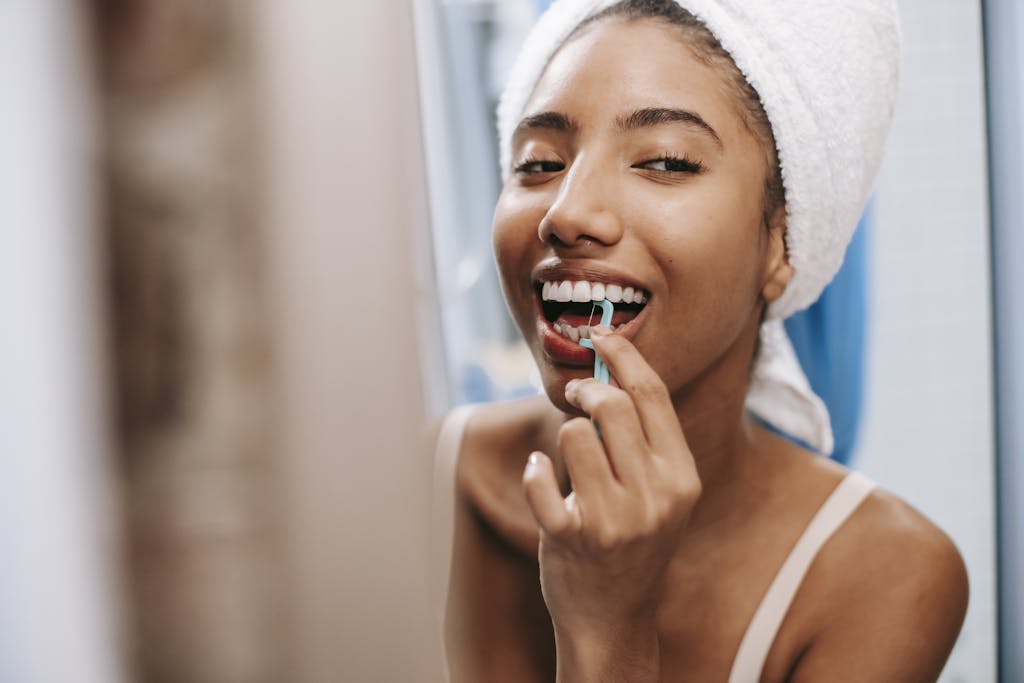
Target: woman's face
{"points": [[633, 168]]}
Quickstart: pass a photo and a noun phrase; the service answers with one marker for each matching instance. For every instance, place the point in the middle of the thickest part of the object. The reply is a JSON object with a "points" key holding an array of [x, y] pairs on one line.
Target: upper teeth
{"points": [[582, 291]]}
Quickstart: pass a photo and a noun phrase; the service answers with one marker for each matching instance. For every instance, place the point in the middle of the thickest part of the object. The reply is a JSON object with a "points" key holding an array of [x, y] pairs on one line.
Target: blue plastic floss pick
{"points": [[600, 369]]}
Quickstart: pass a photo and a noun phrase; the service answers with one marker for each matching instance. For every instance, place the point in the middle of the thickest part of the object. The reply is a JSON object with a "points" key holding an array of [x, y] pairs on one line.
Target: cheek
{"points": [[515, 242], [504, 230], [507, 239], [517, 217], [726, 268], [710, 246], [710, 254]]}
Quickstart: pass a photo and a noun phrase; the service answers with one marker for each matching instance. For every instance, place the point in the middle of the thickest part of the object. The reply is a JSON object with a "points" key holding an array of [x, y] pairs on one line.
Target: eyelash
{"points": [[530, 161], [688, 165], [692, 166]]}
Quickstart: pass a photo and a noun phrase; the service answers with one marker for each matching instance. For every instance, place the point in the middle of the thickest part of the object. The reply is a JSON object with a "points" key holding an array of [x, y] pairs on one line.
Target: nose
{"points": [[584, 209]]}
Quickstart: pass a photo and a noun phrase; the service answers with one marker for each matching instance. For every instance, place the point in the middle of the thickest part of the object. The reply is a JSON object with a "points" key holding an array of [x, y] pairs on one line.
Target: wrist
{"points": [[620, 653]]}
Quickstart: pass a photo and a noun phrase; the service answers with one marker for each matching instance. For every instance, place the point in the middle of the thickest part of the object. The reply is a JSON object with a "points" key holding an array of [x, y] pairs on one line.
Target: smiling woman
{"points": [[683, 159], [653, 200]]}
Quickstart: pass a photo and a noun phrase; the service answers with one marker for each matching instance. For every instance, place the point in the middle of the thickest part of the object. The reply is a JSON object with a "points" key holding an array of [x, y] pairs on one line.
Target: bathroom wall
{"points": [[928, 414]]}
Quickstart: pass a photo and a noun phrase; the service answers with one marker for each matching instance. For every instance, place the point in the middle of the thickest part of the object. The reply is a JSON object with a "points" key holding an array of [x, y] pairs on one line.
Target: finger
{"points": [[545, 500], [637, 378], [586, 460], [615, 413]]}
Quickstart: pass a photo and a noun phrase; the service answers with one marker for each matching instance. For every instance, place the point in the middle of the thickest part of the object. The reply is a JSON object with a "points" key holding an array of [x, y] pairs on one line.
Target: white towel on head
{"points": [[826, 72]]}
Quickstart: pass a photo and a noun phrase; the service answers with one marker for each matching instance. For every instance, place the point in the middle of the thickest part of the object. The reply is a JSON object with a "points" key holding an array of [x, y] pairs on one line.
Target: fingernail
{"points": [[531, 465], [570, 384], [600, 330]]}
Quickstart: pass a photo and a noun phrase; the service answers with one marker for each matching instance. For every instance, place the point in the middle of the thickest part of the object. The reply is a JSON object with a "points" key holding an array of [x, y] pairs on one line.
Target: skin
{"points": [[642, 556]]}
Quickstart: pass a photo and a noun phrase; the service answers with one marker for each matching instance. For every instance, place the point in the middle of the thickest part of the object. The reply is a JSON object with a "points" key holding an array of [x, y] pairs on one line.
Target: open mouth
{"points": [[571, 309]]}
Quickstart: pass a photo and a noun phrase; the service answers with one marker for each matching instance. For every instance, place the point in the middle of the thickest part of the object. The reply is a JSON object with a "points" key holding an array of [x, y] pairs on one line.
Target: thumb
{"points": [[555, 517]]}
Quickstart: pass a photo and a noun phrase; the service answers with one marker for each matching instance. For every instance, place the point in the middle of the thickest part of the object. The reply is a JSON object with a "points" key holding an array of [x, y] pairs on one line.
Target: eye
{"points": [[672, 164], [539, 166]]}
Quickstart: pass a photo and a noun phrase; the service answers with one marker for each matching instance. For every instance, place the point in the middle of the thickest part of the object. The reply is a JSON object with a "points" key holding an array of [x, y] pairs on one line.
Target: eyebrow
{"points": [[641, 118], [656, 116], [552, 120]]}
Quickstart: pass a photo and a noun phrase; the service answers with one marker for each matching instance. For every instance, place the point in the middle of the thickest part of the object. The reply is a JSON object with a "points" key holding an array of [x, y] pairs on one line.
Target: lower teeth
{"points": [[575, 333]]}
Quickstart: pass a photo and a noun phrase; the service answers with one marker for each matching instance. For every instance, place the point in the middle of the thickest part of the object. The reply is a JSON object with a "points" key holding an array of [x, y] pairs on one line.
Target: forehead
{"points": [[618, 64]]}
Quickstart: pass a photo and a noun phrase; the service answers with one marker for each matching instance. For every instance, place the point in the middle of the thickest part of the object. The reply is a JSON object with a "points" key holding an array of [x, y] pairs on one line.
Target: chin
{"points": [[554, 380]]}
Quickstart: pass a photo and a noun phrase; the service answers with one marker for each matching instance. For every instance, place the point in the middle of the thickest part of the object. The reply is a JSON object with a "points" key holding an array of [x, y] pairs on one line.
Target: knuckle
{"points": [[611, 343], [683, 492], [683, 499], [657, 515], [694, 491], [610, 402], [615, 343], [573, 431], [560, 531], [688, 491], [649, 388], [608, 537], [678, 482]]}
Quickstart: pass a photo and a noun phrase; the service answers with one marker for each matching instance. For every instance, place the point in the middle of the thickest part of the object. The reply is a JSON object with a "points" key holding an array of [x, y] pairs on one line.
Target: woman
{"points": [[703, 170]]}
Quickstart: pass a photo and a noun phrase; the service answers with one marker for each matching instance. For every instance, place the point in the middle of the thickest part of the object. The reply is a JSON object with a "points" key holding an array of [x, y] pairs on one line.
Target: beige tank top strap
{"points": [[764, 626]]}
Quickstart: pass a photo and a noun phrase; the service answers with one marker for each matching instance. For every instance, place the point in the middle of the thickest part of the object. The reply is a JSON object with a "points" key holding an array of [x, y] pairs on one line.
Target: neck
{"points": [[725, 443], [719, 434]]}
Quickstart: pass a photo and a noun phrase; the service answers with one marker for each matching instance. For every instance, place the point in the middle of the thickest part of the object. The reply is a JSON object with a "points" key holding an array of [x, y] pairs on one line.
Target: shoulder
{"points": [[903, 554], [494, 424], [496, 436], [893, 593], [496, 443]]}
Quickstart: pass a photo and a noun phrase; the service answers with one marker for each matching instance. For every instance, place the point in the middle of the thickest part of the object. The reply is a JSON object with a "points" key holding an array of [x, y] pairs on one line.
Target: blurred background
{"points": [[245, 259]]}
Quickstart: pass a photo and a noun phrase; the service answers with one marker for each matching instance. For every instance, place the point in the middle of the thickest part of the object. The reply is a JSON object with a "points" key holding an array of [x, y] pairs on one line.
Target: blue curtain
{"points": [[829, 341]]}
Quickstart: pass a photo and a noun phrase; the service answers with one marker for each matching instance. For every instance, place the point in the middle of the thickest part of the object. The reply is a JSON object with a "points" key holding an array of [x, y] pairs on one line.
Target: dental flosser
{"points": [[600, 369]]}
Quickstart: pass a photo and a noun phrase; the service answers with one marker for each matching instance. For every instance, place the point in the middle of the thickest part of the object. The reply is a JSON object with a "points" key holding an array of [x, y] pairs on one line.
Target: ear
{"points": [[778, 272]]}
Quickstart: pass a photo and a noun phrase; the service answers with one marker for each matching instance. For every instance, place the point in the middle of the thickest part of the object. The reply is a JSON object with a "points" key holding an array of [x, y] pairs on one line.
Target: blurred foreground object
{"points": [[189, 331], [274, 510]]}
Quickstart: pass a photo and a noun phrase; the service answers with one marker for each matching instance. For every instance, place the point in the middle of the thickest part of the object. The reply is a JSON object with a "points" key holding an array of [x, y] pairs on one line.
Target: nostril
{"points": [[548, 235], [561, 230], [554, 240]]}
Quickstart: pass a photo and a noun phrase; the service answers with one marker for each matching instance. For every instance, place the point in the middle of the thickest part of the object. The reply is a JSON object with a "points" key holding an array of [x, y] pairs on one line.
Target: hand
{"points": [[604, 549]]}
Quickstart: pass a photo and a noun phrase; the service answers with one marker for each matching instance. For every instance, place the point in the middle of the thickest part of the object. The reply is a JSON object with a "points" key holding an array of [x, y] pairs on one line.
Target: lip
{"points": [[561, 350]]}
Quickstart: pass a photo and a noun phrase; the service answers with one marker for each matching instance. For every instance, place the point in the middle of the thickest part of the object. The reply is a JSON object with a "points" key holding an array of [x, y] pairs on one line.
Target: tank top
{"points": [[764, 625]]}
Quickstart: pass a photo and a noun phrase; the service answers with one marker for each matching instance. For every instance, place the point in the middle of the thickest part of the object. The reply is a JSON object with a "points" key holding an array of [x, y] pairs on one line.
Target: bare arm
{"points": [[496, 628]]}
